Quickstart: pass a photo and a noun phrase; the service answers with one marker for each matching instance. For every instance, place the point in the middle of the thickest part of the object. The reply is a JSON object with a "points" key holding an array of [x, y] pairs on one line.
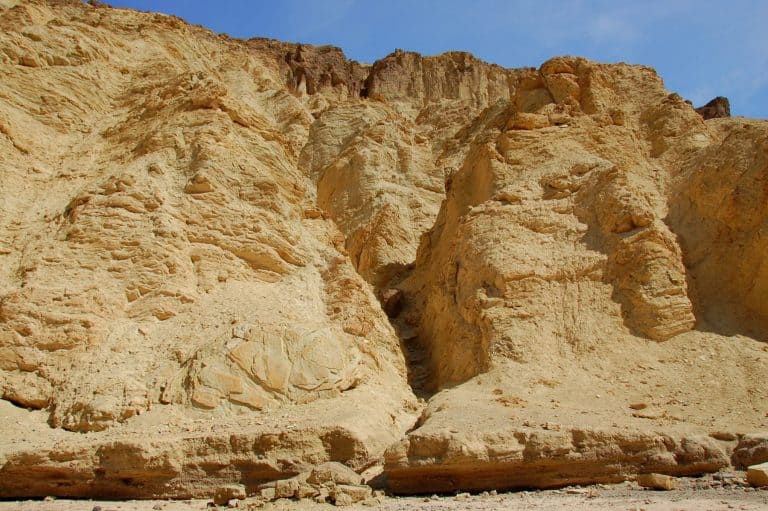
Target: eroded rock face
{"points": [[715, 109], [538, 208], [751, 450], [542, 459], [566, 236], [719, 211], [178, 270], [226, 260], [162, 262]]}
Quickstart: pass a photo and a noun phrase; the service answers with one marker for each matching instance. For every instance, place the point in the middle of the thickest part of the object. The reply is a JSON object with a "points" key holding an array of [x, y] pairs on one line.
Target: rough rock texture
{"points": [[573, 237], [166, 277], [751, 450], [328, 482], [718, 107], [657, 481], [222, 262], [757, 475]]}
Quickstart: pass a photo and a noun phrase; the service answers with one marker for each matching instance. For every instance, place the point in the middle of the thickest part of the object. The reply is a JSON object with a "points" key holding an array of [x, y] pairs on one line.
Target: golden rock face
{"points": [[200, 236]]}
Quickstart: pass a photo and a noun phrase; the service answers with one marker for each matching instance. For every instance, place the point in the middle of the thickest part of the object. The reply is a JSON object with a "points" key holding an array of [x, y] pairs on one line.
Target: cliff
{"points": [[228, 261]]}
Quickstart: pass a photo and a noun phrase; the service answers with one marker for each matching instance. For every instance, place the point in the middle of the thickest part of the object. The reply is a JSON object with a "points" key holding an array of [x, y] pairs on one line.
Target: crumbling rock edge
{"points": [[444, 462], [186, 466], [518, 459]]}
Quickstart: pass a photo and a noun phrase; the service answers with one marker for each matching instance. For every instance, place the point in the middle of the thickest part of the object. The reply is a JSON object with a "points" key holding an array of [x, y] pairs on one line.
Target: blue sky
{"points": [[702, 48]]}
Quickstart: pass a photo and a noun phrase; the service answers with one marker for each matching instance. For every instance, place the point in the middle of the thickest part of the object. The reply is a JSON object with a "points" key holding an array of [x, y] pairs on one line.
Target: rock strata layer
{"points": [[227, 263]]}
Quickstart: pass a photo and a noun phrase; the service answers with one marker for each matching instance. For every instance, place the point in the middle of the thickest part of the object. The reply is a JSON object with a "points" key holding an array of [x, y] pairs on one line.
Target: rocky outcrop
{"points": [[715, 109], [409, 77], [537, 208], [178, 463], [320, 71], [163, 263], [329, 482], [444, 461], [224, 263], [752, 449], [559, 240]]}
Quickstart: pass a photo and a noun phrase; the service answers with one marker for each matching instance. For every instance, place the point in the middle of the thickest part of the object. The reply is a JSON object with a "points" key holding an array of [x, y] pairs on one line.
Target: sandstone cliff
{"points": [[228, 261]]}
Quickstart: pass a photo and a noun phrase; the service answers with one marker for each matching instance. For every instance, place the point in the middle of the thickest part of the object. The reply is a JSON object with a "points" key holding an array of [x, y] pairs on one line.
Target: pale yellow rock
{"points": [[757, 475], [357, 493], [196, 231], [286, 488], [253, 397], [306, 491], [224, 494], [657, 481], [330, 480], [528, 121], [206, 398], [342, 499], [333, 472]]}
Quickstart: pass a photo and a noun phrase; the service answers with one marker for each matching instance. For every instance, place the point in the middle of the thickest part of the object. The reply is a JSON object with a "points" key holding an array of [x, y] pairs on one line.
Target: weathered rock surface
{"points": [[757, 475], [164, 283], [716, 108], [575, 229], [222, 263], [328, 482], [224, 494], [534, 458], [657, 481], [752, 449]]}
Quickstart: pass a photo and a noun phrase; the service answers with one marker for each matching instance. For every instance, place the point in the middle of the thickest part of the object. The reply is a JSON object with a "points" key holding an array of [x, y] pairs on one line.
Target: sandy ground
{"points": [[709, 493]]}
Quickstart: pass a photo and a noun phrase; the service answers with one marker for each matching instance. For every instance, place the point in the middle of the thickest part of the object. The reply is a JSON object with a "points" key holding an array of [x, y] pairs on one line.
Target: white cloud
{"points": [[613, 27]]}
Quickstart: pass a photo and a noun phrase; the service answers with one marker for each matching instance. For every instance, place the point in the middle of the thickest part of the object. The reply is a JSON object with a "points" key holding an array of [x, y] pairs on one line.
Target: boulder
{"points": [[228, 492], [757, 475], [657, 481]]}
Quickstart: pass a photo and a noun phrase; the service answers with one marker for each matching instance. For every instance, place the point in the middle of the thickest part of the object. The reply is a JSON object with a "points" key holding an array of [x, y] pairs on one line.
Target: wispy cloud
{"points": [[612, 28]]}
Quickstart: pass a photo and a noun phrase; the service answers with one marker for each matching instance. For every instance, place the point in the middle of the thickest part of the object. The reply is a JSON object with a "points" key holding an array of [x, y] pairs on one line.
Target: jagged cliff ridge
{"points": [[203, 238]]}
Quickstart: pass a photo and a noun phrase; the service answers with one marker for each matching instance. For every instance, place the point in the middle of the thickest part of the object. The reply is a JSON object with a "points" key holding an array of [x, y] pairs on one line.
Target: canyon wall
{"points": [[227, 261]]}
